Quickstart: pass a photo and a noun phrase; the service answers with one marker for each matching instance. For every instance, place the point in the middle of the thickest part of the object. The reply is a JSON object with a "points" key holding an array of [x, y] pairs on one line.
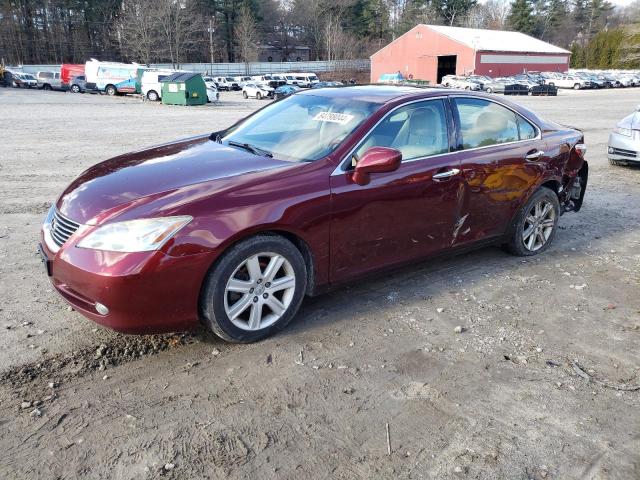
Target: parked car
{"points": [[226, 83], [257, 91], [151, 83], [49, 80], [285, 91], [209, 81], [212, 93], [232, 229], [302, 80], [242, 80], [456, 81], [327, 84], [78, 84], [24, 80], [267, 80], [624, 141], [572, 81], [506, 86], [68, 71]]}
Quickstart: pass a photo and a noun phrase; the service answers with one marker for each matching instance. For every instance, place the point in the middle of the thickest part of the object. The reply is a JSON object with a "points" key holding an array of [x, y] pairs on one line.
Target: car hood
{"points": [[631, 122], [153, 172]]}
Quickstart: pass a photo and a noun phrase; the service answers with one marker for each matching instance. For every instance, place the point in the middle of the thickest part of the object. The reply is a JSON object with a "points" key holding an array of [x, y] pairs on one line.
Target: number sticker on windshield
{"points": [[341, 118]]}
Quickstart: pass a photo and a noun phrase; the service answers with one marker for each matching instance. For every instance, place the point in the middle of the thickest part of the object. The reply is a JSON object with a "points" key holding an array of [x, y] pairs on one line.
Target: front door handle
{"points": [[535, 155], [446, 174]]}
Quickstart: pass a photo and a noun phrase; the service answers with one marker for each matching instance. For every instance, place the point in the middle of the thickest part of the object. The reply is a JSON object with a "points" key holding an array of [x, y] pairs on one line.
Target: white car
{"points": [[455, 81], [212, 93], [257, 91], [151, 83], [242, 80], [25, 80], [624, 141], [226, 83], [302, 80], [572, 81]]}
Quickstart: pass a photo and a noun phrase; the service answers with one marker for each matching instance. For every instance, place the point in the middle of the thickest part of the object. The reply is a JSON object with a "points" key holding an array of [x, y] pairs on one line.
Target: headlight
{"points": [[627, 132], [141, 235]]}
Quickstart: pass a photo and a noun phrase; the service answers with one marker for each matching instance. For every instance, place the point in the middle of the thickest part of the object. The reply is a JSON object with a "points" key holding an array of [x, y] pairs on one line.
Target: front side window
{"points": [[484, 123], [302, 127], [417, 130]]}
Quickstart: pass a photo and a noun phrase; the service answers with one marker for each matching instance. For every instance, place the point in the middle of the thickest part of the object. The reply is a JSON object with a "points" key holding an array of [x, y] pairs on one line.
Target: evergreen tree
{"points": [[521, 17]]}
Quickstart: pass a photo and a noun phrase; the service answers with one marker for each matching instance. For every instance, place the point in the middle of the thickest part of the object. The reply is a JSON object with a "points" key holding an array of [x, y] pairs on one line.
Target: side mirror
{"points": [[376, 160]]}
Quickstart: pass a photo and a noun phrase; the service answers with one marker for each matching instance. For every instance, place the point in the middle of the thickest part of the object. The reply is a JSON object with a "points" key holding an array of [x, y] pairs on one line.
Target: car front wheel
{"points": [[536, 224], [254, 290], [75, 89], [245, 95]]}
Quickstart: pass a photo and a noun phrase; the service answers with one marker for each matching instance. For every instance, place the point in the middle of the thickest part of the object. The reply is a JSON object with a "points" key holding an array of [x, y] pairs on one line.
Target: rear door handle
{"points": [[446, 174], [534, 156]]}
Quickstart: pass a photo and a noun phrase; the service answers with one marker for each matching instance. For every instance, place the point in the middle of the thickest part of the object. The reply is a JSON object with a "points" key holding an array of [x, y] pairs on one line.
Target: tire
{"points": [[244, 94], [75, 89], [616, 163], [522, 245], [252, 301], [576, 86], [152, 96], [489, 90], [46, 87], [258, 96], [110, 90]]}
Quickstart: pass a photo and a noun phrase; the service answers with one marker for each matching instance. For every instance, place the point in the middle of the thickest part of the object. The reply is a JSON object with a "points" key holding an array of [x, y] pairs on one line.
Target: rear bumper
{"points": [[144, 292]]}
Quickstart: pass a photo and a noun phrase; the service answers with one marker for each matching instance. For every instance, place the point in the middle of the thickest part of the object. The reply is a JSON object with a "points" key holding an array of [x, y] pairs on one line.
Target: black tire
{"points": [[245, 95], [616, 163], [212, 297], [153, 96], [110, 90], [576, 86], [46, 86], [489, 90], [258, 96], [516, 244], [75, 89]]}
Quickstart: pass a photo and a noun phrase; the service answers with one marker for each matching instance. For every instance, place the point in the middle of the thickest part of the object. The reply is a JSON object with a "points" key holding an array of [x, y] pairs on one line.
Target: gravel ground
{"points": [[509, 396]]}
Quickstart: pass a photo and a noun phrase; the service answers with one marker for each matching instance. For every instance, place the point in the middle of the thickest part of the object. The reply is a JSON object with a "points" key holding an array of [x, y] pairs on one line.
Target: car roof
{"points": [[376, 93]]}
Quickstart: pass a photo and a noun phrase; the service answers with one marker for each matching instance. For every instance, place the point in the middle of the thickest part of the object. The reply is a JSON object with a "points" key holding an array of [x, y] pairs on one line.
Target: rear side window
{"points": [[484, 123], [527, 131]]}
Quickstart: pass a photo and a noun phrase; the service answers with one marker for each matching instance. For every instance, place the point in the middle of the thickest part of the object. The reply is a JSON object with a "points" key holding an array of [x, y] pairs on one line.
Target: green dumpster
{"points": [[184, 88]]}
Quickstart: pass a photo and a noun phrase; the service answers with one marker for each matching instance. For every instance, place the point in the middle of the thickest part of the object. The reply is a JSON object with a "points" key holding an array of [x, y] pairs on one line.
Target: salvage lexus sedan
{"points": [[324, 187]]}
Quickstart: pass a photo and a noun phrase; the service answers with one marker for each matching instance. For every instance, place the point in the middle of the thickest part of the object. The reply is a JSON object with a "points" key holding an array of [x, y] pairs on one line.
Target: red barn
{"points": [[429, 52]]}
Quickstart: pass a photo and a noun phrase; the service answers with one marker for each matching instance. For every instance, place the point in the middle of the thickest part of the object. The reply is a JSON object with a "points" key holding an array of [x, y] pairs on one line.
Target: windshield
{"points": [[301, 127]]}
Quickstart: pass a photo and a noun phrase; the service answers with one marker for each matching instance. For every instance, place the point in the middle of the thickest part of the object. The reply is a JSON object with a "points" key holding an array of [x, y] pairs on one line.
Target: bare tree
{"points": [[246, 33], [139, 30], [180, 25]]}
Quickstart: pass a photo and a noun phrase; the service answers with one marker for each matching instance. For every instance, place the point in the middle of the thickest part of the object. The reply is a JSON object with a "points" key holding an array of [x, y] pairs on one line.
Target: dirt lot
{"points": [[500, 400]]}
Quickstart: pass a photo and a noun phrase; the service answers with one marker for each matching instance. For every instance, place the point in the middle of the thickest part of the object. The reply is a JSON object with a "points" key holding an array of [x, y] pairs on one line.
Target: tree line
{"points": [[180, 31]]}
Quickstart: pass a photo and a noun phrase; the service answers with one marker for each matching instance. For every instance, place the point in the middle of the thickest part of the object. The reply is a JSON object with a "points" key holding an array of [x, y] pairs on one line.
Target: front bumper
{"points": [[624, 149], [144, 292]]}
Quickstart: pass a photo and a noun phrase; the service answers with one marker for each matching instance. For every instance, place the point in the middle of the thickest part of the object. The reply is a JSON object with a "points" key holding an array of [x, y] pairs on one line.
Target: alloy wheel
{"points": [[538, 225], [259, 291]]}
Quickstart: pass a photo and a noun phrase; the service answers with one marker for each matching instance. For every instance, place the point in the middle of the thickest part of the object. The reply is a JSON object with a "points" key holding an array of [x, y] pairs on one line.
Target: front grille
{"points": [[62, 228], [623, 153]]}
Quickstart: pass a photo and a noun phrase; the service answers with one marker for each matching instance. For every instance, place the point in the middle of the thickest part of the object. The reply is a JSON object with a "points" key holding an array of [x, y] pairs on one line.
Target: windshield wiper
{"points": [[251, 148]]}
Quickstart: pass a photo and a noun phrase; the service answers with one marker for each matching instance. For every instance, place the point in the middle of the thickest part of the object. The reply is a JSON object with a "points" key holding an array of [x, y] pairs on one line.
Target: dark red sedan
{"points": [[323, 187]]}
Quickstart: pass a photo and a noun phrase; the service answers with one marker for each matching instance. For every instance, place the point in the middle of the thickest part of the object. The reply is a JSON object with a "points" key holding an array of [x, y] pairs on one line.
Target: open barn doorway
{"points": [[446, 66]]}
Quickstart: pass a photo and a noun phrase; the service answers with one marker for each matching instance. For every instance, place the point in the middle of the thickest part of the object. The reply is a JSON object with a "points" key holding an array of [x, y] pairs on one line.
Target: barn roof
{"points": [[496, 40]]}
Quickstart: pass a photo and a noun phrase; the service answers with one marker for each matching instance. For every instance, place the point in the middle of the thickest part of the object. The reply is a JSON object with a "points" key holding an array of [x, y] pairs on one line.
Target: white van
{"points": [[242, 80], [151, 85], [304, 80], [226, 83]]}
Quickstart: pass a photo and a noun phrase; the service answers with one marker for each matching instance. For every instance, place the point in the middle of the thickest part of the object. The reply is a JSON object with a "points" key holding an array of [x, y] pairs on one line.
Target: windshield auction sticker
{"points": [[341, 118]]}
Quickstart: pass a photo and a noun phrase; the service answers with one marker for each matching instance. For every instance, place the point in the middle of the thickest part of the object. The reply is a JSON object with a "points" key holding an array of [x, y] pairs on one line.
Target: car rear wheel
{"points": [[152, 96], [254, 290], [258, 95], [75, 89], [489, 90], [110, 90], [576, 86], [535, 225], [46, 86]]}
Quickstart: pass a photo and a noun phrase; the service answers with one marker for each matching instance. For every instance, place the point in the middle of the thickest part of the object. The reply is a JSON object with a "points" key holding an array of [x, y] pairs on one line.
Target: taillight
{"points": [[581, 150]]}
